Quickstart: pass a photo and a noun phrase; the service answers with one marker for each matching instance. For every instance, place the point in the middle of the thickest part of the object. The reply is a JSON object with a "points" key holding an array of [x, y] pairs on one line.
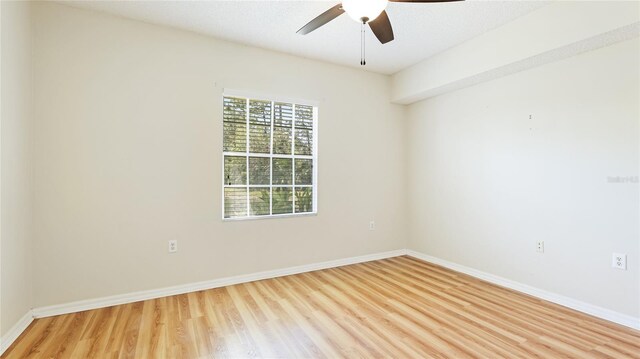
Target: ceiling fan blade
{"points": [[381, 27], [423, 0], [322, 19]]}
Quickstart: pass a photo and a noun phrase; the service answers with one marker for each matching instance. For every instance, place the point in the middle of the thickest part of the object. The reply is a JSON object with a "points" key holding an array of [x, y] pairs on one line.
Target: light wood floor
{"points": [[399, 307]]}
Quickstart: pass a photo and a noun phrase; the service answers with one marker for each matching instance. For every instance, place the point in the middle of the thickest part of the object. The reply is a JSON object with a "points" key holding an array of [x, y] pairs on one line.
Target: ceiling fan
{"points": [[370, 12]]}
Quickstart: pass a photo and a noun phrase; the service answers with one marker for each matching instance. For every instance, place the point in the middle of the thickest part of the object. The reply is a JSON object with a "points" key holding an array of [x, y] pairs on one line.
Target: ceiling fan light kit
{"points": [[364, 10], [371, 12]]}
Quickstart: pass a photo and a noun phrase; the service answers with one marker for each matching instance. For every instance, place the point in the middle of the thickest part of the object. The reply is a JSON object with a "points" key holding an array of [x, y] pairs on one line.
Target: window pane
{"points": [[304, 130], [282, 200], [282, 130], [235, 202], [304, 199], [235, 170], [304, 171], [259, 126], [234, 125], [304, 142], [259, 201], [262, 186], [282, 171], [259, 170]]}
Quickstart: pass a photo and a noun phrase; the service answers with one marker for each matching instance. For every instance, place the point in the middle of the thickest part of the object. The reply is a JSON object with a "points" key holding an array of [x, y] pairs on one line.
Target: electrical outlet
{"points": [[540, 247], [619, 261], [173, 246], [372, 225]]}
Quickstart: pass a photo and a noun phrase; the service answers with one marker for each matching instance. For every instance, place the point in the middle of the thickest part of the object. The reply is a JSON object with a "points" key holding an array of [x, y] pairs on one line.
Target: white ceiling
{"points": [[421, 30]]}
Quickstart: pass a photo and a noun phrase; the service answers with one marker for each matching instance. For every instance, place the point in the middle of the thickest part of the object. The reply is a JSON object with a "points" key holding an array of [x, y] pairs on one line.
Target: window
{"points": [[269, 156]]}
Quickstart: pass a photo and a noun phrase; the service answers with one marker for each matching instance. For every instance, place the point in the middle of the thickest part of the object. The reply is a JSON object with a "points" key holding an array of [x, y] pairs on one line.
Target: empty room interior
{"points": [[315, 179]]}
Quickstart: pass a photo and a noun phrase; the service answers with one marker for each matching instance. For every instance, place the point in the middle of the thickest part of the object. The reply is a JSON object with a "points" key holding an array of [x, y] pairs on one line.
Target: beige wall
{"points": [[555, 31], [487, 182], [16, 277], [128, 156]]}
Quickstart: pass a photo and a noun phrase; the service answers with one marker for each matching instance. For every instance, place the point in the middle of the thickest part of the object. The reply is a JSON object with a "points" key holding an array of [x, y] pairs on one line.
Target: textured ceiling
{"points": [[421, 30]]}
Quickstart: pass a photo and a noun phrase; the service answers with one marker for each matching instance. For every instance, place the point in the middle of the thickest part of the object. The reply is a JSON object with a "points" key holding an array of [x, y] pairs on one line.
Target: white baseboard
{"points": [[89, 304], [15, 331], [580, 306], [192, 287]]}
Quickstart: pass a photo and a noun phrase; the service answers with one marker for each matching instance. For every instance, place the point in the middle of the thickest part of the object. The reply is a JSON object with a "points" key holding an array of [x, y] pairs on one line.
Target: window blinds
{"points": [[269, 158]]}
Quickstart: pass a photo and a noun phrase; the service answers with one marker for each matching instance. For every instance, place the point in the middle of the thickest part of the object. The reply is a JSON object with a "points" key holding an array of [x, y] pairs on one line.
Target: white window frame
{"points": [[314, 157]]}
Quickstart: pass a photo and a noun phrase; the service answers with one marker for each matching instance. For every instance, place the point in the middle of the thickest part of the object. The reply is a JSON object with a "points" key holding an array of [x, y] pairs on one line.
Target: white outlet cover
{"points": [[173, 246], [619, 261]]}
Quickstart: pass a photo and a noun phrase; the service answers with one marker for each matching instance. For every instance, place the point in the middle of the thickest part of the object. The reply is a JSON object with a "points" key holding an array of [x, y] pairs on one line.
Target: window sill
{"points": [[273, 216]]}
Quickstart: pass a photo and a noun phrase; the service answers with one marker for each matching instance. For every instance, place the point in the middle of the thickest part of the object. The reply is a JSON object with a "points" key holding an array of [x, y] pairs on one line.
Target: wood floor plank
{"points": [[399, 307]]}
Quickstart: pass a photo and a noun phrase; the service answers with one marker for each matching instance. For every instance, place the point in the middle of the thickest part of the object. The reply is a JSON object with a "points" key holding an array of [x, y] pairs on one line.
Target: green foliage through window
{"points": [[269, 158]]}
